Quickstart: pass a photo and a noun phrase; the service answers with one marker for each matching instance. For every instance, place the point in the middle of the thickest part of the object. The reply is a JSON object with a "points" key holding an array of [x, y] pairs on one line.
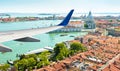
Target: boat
{"points": [[39, 50], [63, 34], [72, 36], [10, 62]]}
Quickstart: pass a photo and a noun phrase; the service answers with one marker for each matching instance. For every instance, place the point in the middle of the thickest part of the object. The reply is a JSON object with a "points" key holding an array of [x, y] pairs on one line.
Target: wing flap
{"points": [[4, 48], [28, 39]]}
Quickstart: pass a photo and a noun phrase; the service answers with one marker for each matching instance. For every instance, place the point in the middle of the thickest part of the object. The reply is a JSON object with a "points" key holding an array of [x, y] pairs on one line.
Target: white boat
{"points": [[39, 50]]}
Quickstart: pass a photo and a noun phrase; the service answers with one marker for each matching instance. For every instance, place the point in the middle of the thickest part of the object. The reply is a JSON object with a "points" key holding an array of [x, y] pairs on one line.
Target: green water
{"points": [[45, 39]]}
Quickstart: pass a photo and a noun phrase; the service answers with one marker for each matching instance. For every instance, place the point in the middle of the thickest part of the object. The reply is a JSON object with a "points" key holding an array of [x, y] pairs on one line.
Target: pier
{"points": [[39, 50], [67, 29]]}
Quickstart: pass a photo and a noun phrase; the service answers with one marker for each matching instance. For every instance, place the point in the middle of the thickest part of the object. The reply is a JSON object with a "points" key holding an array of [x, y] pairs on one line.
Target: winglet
{"points": [[67, 18]]}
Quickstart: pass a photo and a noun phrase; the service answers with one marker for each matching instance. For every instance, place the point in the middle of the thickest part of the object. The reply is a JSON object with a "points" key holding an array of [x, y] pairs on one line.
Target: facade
{"points": [[67, 29], [76, 24], [73, 26], [90, 21]]}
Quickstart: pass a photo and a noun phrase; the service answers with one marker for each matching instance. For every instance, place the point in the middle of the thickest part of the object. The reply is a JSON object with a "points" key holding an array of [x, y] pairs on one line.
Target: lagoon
{"points": [[48, 39]]}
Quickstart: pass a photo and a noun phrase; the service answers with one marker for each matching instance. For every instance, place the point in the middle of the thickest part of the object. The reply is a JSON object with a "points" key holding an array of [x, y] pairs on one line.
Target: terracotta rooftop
{"points": [[103, 54], [75, 22]]}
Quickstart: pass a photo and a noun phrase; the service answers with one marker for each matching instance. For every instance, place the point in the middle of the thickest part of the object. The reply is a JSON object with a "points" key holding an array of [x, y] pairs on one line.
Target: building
{"points": [[76, 24], [103, 55], [89, 21], [114, 31], [73, 26]]}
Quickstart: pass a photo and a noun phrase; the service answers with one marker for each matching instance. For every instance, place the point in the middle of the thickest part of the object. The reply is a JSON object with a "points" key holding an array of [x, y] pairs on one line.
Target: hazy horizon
{"points": [[59, 6], [62, 13]]}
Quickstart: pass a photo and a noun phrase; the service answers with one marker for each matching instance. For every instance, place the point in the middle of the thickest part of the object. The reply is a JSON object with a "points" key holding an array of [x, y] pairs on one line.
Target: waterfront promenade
{"points": [[67, 29], [73, 26]]}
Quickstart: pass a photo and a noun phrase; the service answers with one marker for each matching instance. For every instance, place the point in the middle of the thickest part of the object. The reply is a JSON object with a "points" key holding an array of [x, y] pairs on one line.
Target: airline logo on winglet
{"points": [[67, 18]]}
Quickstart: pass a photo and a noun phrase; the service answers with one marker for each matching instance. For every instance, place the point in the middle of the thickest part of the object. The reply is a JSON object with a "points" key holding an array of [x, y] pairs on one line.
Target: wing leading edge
{"points": [[21, 34]]}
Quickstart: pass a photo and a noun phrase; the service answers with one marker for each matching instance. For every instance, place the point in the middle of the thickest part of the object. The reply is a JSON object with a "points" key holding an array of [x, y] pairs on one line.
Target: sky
{"points": [[59, 6]]}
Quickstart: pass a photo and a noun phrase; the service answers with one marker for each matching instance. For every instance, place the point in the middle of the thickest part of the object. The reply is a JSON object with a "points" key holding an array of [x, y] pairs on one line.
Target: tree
{"points": [[4, 67], [60, 51], [75, 47], [32, 56], [28, 56], [85, 25], [31, 62], [44, 56], [111, 20], [43, 59], [71, 52], [22, 65], [42, 63], [25, 63]]}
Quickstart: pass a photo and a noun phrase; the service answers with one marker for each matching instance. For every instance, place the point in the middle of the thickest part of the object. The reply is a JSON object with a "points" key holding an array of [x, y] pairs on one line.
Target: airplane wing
{"points": [[26, 35]]}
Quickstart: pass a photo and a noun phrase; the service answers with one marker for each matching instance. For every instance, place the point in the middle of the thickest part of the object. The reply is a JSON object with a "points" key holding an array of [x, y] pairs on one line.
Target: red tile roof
{"points": [[106, 50]]}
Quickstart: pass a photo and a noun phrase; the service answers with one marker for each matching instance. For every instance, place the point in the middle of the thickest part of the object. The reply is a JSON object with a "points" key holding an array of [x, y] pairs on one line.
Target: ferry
{"points": [[47, 48]]}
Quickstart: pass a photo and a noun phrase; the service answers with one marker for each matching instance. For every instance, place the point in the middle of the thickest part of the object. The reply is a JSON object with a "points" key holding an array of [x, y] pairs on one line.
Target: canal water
{"points": [[48, 39]]}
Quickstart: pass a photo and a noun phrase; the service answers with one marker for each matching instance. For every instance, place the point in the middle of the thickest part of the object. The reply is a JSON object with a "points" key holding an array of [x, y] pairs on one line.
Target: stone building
{"points": [[89, 21]]}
